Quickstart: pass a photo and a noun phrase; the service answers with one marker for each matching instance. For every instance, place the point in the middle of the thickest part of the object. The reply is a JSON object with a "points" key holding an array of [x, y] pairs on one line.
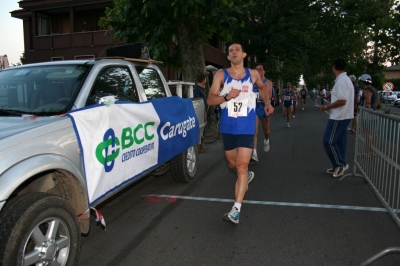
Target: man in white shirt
{"points": [[341, 113]]}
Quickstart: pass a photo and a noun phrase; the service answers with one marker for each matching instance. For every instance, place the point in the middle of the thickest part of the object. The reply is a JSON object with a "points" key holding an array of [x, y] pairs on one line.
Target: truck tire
{"points": [[184, 165], [39, 229]]}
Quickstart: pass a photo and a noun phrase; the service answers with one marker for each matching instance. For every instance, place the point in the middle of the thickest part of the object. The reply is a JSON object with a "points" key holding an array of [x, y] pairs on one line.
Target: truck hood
{"points": [[13, 127]]}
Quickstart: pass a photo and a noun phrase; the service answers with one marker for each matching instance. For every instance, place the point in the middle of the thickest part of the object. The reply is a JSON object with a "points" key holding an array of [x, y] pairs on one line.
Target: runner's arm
{"points": [[213, 97], [265, 91]]}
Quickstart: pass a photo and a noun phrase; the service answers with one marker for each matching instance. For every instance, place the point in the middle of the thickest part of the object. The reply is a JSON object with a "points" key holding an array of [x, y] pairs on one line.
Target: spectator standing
{"points": [[323, 95], [260, 113], [362, 98], [341, 112], [237, 122], [198, 91], [371, 101], [353, 79]]}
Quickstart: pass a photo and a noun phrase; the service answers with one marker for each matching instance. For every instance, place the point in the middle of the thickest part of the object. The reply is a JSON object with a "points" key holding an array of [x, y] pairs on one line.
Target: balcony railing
{"points": [[72, 40]]}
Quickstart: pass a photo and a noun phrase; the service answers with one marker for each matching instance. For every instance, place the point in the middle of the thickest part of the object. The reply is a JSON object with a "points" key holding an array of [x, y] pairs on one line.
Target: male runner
{"points": [[260, 113], [287, 102], [295, 98], [237, 122], [303, 93]]}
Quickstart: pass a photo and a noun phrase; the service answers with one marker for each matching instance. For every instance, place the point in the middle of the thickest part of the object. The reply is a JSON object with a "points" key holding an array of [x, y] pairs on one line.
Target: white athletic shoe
{"points": [[302, 109], [254, 157], [266, 145], [288, 125], [294, 116]]}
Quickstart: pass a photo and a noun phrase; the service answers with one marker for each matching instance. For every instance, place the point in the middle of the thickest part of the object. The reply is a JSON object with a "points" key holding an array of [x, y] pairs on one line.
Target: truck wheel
{"points": [[184, 165], [39, 229]]}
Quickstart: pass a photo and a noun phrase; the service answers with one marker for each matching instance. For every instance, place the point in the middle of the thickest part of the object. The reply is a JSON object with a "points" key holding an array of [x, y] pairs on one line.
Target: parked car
{"points": [[388, 96], [74, 133], [396, 102]]}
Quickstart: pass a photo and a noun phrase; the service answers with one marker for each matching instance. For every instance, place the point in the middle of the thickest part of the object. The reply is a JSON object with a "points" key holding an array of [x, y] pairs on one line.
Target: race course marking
{"points": [[174, 198]]}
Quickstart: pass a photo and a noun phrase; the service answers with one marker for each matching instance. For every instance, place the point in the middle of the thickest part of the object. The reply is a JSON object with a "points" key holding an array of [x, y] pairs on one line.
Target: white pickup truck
{"points": [[74, 133]]}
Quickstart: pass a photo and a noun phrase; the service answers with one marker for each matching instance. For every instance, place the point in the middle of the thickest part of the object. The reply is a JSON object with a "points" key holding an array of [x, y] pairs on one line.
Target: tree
{"points": [[22, 58], [308, 35], [184, 24]]}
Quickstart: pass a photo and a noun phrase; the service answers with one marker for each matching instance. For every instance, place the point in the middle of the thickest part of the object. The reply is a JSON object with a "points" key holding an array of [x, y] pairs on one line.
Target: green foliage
{"points": [[22, 58], [302, 37], [308, 35], [161, 23]]}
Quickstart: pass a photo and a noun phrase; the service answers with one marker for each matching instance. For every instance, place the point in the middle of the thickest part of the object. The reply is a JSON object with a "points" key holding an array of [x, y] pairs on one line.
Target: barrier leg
{"points": [[380, 255]]}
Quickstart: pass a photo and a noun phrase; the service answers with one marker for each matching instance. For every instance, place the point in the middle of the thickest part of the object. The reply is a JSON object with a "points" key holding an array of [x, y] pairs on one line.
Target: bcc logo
{"points": [[108, 150]]}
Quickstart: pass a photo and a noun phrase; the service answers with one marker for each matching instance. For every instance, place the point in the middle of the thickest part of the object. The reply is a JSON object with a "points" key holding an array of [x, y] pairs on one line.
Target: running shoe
{"points": [[338, 172], [254, 157], [288, 125], [302, 109], [232, 216], [250, 176], [266, 145], [294, 116], [329, 171]]}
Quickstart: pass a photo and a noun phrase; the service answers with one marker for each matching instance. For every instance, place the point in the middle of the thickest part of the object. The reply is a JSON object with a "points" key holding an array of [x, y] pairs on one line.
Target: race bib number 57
{"points": [[237, 108]]}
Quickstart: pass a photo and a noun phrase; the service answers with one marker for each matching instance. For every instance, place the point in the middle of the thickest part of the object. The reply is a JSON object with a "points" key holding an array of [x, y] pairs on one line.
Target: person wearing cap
{"points": [[341, 112], [371, 99], [370, 93], [353, 79]]}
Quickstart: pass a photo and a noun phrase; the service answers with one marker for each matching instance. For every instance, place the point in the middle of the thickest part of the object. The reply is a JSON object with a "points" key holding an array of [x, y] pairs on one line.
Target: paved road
{"points": [[296, 214]]}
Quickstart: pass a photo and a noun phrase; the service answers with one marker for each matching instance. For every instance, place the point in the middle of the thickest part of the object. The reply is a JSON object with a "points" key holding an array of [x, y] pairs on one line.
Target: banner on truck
{"points": [[121, 141]]}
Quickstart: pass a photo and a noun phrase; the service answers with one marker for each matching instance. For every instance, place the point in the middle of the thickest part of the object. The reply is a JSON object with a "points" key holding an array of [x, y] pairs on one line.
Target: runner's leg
{"points": [[242, 167], [266, 122]]}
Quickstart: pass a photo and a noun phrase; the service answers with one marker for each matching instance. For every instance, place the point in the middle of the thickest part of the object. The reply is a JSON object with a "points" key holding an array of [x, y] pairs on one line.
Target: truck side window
{"points": [[151, 82], [114, 81]]}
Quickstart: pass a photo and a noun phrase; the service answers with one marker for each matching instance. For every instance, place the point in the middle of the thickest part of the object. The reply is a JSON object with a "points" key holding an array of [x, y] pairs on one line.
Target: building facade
{"points": [[392, 72], [68, 30]]}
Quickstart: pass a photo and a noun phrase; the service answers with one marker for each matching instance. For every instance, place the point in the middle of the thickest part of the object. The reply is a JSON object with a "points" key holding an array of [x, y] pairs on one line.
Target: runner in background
{"points": [[260, 113], [287, 102], [313, 94], [303, 93], [295, 98]]}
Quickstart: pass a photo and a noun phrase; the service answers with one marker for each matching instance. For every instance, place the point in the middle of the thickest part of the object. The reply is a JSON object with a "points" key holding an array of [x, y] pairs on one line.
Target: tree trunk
{"points": [[191, 55]]}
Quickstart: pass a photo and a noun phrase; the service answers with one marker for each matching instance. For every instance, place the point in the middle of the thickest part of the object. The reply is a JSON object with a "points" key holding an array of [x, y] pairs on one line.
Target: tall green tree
{"points": [[308, 35], [184, 25]]}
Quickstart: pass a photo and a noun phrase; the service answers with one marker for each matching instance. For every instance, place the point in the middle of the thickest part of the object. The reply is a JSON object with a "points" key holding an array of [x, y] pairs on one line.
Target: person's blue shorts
{"points": [[232, 141], [260, 111], [294, 102], [287, 104]]}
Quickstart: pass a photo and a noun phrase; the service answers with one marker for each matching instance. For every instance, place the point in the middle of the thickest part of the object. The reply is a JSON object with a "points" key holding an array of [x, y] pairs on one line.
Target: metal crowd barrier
{"points": [[377, 161]]}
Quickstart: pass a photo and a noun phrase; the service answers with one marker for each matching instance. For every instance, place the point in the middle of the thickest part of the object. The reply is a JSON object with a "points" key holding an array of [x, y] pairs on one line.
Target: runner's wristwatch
{"points": [[226, 99]]}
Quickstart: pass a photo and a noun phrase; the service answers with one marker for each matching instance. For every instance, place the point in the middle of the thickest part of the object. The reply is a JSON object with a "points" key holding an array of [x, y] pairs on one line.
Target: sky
{"points": [[12, 34]]}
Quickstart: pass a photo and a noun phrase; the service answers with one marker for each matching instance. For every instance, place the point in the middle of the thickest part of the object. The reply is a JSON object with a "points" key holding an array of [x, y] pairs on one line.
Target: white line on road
{"points": [[290, 204]]}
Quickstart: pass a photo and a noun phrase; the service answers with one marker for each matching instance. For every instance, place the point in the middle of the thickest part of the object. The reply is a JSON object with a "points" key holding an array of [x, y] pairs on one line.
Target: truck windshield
{"points": [[40, 90]]}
